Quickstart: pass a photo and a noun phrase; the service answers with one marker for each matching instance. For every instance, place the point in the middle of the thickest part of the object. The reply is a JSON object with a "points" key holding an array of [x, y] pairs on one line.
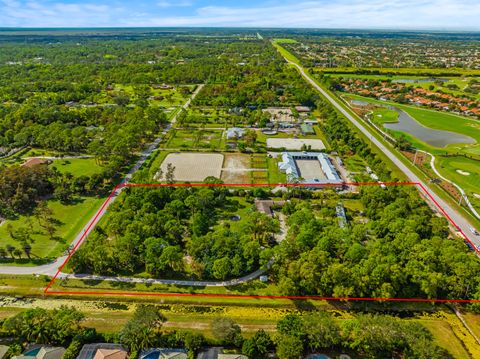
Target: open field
{"points": [[108, 316], [445, 337], [70, 219], [165, 97], [285, 53], [196, 139], [194, 167], [78, 167]]}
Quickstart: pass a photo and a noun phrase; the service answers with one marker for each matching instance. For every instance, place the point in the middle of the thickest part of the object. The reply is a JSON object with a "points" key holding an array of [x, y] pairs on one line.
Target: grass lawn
{"points": [[468, 178], [171, 97], [473, 321], [71, 218], [445, 337], [274, 173], [384, 115], [78, 166], [286, 41], [196, 139], [285, 53]]}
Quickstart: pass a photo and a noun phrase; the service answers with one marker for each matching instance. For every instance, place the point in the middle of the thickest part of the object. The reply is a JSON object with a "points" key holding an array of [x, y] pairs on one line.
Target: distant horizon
{"points": [[253, 28], [402, 15]]}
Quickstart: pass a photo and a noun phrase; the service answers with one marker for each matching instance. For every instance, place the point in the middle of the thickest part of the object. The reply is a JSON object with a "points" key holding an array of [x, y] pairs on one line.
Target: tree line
{"points": [[365, 335]]}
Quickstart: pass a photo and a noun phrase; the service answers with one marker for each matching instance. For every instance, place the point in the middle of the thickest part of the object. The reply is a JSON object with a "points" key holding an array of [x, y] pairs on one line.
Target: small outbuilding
{"points": [[235, 132], [307, 129]]}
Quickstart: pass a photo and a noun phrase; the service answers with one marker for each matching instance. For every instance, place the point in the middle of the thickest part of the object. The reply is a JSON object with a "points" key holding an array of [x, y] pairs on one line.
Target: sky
{"points": [[380, 14]]}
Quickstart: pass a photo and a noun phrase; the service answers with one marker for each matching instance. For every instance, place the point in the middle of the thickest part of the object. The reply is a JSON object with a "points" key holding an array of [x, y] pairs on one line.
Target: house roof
{"points": [[110, 354], [89, 351], [43, 353], [50, 353], [163, 353]]}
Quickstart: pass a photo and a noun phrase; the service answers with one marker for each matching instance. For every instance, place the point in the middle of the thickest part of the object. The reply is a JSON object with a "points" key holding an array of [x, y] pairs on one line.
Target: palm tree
{"points": [[11, 249], [27, 248]]}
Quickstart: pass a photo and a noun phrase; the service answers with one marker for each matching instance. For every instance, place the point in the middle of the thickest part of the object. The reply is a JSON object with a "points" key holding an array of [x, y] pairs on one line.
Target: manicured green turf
{"points": [[78, 167], [274, 174], [384, 115], [469, 180], [71, 219]]}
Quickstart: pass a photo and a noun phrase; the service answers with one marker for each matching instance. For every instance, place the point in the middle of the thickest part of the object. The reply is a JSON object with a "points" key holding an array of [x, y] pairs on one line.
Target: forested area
{"points": [[177, 232], [402, 251], [61, 95], [269, 84], [366, 335]]}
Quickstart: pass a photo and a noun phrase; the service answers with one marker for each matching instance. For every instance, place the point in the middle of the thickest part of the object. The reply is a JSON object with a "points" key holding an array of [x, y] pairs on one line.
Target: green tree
{"points": [[289, 347], [143, 329], [257, 346], [227, 330]]}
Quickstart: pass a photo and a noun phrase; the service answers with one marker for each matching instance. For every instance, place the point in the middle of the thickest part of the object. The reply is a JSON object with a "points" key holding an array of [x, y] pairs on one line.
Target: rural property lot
{"points": [[294, 143], [194, 167]]}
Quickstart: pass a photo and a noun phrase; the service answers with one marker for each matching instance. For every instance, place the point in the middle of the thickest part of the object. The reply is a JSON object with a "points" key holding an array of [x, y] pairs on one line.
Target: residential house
{"points": [[41, 352], [103, 351], [164, 353]]}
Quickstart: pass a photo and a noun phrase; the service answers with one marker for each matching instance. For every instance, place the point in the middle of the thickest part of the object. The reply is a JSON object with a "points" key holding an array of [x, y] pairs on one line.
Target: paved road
{"points": [[52, 268], [189, 283], [463, 224]]}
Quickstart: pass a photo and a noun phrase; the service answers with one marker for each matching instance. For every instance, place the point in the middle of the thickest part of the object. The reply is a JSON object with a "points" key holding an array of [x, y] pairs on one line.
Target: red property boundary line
{"points": [[423, 190]]}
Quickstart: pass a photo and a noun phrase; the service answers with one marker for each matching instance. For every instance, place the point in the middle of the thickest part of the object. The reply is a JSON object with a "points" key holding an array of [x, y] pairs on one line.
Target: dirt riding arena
{"points": [[295, 143], [236, 169], [310, 169], [194, 167]]}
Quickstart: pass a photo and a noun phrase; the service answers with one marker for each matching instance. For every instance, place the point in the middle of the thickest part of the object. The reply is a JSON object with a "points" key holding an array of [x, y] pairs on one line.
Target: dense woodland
{"points": [[175, 232]]}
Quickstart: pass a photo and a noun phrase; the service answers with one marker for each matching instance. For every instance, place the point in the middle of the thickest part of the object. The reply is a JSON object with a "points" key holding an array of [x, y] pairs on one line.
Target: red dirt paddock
{"points": [[421, 188]]}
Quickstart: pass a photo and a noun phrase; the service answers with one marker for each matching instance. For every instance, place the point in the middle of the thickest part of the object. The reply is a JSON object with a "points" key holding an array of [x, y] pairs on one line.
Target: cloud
{"points": [[168, 4], [406, 14]]}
